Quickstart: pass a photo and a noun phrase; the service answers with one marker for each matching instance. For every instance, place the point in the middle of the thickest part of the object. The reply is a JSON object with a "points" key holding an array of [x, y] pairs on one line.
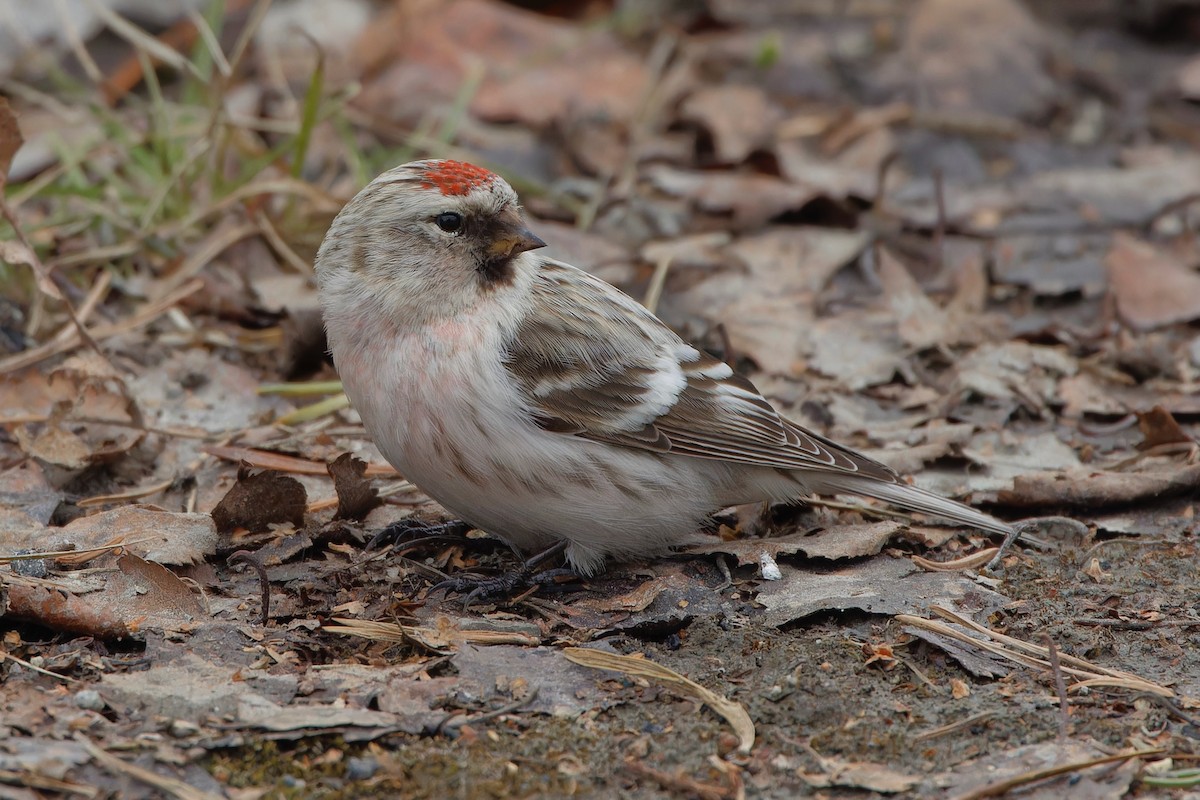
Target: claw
{"points": [[508, 583], [412, 529]]}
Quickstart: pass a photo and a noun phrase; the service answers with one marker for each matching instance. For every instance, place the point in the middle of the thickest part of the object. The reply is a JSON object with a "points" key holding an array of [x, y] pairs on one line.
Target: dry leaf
{"points": [[1152, 288]]}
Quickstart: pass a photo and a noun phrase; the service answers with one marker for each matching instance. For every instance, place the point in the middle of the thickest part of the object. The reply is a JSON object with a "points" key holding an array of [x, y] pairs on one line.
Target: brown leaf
{"points": [[751, 198], [10, 139], [1090, 490], [1159, 427], [281, 463], [109, 603], [843, 541], [922, 323], [258, 500], [1151, 286], [740, 119], [356, 496], [768, 312], [860, 775], [875, 585], [966, 55], [167, 537], [538, 69]]}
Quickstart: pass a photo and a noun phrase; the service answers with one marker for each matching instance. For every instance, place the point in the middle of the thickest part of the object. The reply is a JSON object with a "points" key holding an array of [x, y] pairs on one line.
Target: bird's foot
{"points": [[526, 576], [411, 530]]}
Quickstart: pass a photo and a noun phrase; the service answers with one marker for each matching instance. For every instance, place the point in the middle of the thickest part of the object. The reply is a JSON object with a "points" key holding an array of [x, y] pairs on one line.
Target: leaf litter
{"points": [[994, 291]]}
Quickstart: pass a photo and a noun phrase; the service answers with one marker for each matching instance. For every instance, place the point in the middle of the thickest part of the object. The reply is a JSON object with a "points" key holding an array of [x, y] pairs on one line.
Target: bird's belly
{"points": [[454, 426]]}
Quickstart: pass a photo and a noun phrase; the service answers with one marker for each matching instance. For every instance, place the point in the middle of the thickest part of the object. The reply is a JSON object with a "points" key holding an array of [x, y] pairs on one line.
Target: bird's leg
{"points": [[525, 576], [410, 529]]}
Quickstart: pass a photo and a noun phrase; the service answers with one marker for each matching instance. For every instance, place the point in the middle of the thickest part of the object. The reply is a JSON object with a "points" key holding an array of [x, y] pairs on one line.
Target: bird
{"points": [[543, 405]]}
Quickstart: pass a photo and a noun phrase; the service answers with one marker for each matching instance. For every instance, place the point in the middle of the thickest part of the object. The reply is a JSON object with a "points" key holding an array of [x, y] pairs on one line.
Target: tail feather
{"points": [[913, 499]]}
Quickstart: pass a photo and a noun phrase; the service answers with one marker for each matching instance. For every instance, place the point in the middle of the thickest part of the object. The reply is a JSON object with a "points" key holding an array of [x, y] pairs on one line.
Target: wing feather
{"points": [[642, 386]]}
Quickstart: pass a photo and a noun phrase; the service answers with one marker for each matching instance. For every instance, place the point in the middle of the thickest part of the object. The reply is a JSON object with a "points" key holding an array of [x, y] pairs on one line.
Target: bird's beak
{"points": [[510, 237]]}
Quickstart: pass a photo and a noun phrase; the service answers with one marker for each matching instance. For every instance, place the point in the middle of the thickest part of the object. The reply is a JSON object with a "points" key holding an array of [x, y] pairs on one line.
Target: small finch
{"points": [[538, 402]]}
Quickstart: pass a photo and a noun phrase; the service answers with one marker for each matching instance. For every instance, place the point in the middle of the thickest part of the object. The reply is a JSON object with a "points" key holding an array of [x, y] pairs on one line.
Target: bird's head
{"points": [[432, 237]]}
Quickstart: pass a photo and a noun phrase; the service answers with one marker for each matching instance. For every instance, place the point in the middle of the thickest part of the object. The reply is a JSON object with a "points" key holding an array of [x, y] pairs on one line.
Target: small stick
{"points": [[939, 230], [246, 557], [1060, 686]]}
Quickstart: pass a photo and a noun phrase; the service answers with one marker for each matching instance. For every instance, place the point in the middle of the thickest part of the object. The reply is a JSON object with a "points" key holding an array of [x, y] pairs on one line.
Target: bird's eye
{"points": [[449, 221]]}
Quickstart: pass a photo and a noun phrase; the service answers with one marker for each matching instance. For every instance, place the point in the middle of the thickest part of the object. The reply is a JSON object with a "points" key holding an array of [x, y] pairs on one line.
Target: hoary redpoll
{"points": [[540, 403]]}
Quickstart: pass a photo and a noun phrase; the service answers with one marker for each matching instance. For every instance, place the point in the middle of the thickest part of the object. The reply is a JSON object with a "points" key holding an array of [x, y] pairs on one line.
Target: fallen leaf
{"points": [[767, 311], [166, 537], [356, 496], [526, 67], [1102, 781], [259, 500], [1151, 287], [961, 54], [1090, 490], [877, 586], [1014, 370], [921, 322], [842, 541], [860, 775], [1158, 427], [739, 118], [130, 595], [753, 199]]}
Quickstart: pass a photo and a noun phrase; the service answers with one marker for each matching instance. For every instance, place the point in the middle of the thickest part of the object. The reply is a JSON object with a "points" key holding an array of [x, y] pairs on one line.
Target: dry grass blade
{"points": [[212, 245], [387, 491], [169, 786], [123, 497], [31, 780], [140, 39], [56, 346], [321, 408], [281, 463], [34, 668], [1003, 787], [1033, 656], [435, 639], [952, 727], [11, 140], [973, 561], [75, 557], [732, 712], [1043, 652]]}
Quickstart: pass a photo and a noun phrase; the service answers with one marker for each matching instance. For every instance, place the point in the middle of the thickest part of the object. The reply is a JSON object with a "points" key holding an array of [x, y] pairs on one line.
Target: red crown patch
{"points": [[455, 177]]}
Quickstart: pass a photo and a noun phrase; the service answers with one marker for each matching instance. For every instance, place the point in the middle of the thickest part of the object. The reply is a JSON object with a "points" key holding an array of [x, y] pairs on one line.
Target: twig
{"points": [[939, 230], [33, 780], [27, 665], [1190, 719], [971, 561], [657, 280], [453, 722], [100, 332], [247, 558], [72, 555], [951, 727], [45, 282], [677, 781], [171, 786], [1060, 687]]}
